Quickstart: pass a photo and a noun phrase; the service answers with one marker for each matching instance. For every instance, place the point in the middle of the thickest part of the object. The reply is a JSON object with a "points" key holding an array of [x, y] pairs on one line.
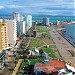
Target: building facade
{"points": [[46, 21], [17, 16], [12, 31], [21, 28], [58, 23], [3, 36], [28, 19], [3, 43]]}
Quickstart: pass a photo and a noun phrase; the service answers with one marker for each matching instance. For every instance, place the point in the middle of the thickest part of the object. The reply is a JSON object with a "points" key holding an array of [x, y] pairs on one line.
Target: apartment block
{"points": [[28, 19], [12, 31], [3, 36], [21, 28]]}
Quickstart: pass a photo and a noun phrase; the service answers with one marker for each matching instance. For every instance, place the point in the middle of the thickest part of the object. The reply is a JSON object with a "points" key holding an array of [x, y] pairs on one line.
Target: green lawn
{"points": [[50, 52], [43, 29], [36, 42]]}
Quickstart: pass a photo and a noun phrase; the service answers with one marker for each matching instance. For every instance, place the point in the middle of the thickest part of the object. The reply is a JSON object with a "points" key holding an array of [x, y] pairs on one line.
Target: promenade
{"points": [[63, 46]]}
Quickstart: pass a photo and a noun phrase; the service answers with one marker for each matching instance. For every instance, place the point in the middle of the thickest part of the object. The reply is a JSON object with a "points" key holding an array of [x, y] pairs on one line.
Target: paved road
{"points": [[11, 59], [63, 46], [5, 72]]}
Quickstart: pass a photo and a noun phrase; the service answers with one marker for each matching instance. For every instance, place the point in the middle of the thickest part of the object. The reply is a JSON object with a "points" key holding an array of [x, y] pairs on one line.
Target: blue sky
{"points": [[38, 7]]}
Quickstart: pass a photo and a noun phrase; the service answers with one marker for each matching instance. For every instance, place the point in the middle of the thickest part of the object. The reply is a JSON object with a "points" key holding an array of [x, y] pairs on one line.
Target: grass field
{"points": [[43, 29], [40, 42], [36, 42], [50, 52]]}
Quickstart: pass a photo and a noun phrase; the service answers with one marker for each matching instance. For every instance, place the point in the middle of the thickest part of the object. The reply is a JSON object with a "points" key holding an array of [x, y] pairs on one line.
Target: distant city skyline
{"points": [[38, 7]]}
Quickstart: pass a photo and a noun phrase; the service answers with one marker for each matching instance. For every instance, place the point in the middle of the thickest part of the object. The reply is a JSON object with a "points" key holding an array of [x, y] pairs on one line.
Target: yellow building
{"points": [[3, 36]]}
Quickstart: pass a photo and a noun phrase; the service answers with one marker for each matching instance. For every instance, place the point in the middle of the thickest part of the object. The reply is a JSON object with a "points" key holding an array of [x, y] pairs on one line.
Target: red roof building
{"points": [[52, 67], [57, 64]]}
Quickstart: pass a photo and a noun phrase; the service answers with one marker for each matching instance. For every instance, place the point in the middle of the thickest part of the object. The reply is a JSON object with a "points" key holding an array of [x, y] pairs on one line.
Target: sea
{"points": [[54, 19], [69, 33]]}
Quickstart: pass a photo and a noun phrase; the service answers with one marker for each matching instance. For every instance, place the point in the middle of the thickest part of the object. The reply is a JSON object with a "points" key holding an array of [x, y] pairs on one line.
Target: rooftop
{"points": [[45, 68], [51, 67], [57, 64]]}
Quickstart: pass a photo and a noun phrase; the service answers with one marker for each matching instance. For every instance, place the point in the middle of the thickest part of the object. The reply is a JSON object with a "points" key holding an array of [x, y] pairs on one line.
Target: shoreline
{"points": [[65, 38], [64, 49]]}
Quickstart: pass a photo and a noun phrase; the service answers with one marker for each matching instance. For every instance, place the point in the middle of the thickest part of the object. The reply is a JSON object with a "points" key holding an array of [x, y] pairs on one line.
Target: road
{"points": [[63, 46], [11, 58]]}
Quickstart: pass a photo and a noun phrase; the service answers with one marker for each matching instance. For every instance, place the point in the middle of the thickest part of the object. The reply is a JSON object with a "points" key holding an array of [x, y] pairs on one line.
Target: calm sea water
{"points": [[70, 30], [70, 33], [54, 19]]}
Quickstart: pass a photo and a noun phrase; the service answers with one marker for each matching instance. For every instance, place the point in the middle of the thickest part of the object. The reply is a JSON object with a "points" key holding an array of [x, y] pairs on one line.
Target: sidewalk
{"points": [[20, 60], [17, 67]]}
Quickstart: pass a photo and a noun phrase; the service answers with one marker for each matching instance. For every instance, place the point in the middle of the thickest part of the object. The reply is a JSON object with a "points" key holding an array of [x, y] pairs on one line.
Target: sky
{"points": [[38, 7]]}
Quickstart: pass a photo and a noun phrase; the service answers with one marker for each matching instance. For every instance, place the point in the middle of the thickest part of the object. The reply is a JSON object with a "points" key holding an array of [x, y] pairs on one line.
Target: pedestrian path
{"points": [[63, 46], [20, 61], [17, 67]]}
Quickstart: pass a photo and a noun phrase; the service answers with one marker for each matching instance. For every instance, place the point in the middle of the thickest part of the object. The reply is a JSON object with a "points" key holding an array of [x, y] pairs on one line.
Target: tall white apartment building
{"points": [[28, 21], [17, 16], [21, 28], [58, 23], [46, 21], [12, 31]]}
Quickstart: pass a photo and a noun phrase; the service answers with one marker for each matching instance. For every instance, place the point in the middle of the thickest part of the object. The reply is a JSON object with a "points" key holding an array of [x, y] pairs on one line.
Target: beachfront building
{"points": [[12, 31], [58, 23], [28, 19], [3, 36], [3, 42], [46, 21], [17, 16], [21, 28]]}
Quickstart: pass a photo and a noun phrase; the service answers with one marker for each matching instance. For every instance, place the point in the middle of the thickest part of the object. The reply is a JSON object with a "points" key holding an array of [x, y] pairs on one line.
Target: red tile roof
{"points": [[51, 67], [45, 68], [51, 70], [57, 64]]}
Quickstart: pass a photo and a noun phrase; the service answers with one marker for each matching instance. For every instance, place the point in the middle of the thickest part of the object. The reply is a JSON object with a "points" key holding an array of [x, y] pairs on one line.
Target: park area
{"points": [[44, 43], [45, 40], [27, 66]]}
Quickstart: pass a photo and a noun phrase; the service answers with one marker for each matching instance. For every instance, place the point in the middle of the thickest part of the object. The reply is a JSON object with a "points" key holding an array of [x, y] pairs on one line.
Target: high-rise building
{"points": [[17, 16], [28, 21], [3, 42], [12, 31], [46, 21], [3, 36], [21, 28], [58, 23]]}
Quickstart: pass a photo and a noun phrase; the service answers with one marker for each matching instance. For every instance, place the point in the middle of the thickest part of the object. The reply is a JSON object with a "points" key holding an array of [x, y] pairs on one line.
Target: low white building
{"points": [[1, 20]]}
